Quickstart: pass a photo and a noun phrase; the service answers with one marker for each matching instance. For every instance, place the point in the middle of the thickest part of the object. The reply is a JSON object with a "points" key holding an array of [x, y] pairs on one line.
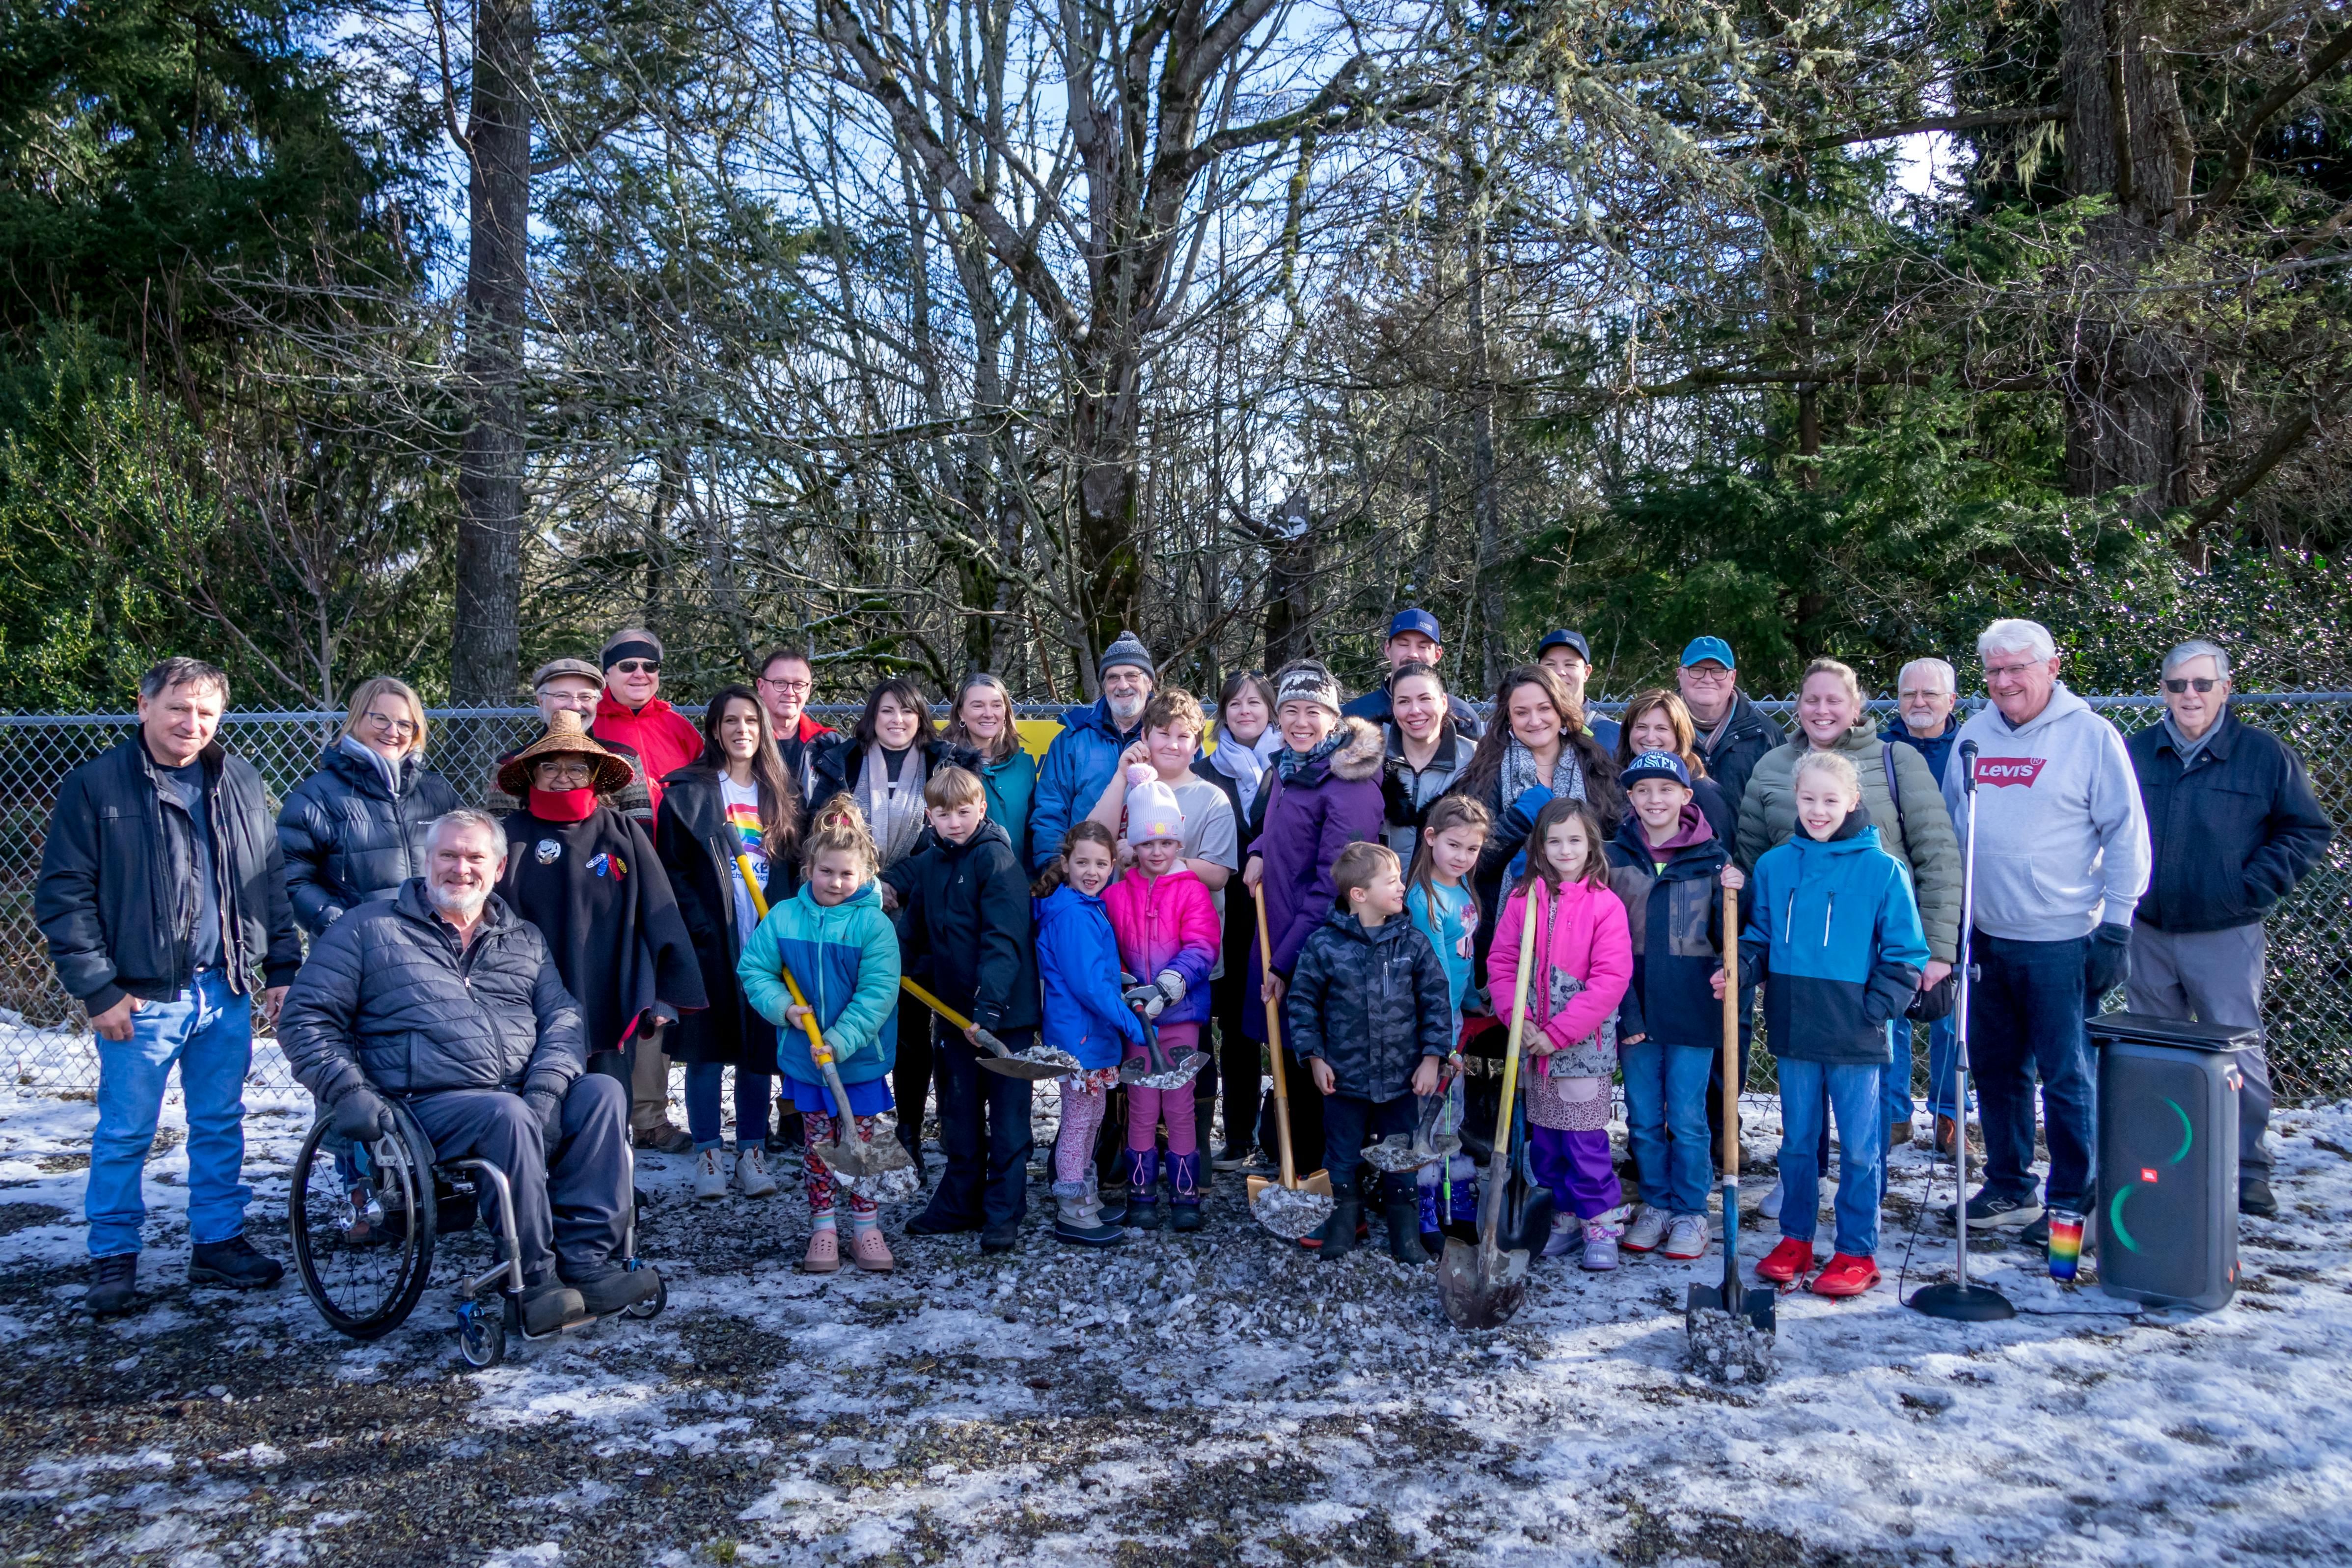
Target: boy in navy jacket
{"points": [[1835, 932]]}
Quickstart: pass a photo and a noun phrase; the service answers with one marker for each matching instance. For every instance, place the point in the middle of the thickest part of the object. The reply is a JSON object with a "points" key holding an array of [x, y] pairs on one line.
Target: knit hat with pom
{"points": [[1152, 809]]}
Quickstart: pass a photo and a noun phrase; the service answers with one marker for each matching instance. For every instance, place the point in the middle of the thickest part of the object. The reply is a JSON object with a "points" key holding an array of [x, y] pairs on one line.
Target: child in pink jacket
{"points": [[1168, 934], [1584, 961]]}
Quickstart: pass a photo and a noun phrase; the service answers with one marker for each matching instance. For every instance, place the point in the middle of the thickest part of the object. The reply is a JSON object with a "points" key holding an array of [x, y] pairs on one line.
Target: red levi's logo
{"points": [[1998, 771]]}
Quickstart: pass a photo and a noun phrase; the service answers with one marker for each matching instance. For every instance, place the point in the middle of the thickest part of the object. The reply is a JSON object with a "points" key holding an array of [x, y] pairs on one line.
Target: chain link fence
{"points": [[44, 1038]]}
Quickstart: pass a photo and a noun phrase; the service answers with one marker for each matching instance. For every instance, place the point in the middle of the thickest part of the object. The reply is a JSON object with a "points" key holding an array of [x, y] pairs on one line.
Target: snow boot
{"points": [[1404, 1215], [233, 1263], [1601, 1234], [2255, 1198], [1338, 1236], [114, 1286], [1143, 1189], [1077, 1217], [1184, 1190]]}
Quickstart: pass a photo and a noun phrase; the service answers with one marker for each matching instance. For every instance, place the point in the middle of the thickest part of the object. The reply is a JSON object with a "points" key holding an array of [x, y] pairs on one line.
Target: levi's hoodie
{"points": [[2061, 836]]}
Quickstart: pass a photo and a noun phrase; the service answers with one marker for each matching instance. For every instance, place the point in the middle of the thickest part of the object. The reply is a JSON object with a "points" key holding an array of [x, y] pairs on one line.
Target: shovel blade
{"points": [[1481, 1287], [1398, 1154], [1291, 1212], [1017, 1067], [1185, 1069]]}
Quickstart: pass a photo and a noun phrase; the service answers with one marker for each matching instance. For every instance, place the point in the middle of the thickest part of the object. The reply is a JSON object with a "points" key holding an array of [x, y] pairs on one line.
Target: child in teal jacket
{"points": [[842, 951]]}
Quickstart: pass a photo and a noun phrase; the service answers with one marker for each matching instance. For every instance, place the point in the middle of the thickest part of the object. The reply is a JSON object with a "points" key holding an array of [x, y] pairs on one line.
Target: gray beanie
{"points": [[1127, 649], [1307, 681]]}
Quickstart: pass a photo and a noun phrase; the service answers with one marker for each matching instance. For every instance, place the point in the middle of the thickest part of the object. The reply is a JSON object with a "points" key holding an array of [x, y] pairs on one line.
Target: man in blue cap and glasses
{"points": [[1567, 655], [1733, 732], [1413, 638]]}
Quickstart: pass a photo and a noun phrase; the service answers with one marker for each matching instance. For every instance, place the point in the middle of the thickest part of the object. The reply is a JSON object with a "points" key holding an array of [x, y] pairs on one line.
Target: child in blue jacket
{"points": [[1086, 1015], [1834, 932], [843, 953]]}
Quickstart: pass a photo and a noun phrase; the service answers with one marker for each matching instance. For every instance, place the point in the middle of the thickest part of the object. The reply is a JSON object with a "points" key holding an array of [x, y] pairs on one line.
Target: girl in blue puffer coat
{"points": [[1086, 1015]]}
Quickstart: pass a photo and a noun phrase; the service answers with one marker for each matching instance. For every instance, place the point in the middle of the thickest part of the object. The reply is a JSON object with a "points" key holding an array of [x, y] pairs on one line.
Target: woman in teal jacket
{"points": [[843, 953], [982, 720]]}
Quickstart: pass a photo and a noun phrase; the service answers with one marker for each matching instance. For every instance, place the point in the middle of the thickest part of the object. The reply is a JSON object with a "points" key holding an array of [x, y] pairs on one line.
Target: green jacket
{"points": [[1920, 834], [845, 957]]}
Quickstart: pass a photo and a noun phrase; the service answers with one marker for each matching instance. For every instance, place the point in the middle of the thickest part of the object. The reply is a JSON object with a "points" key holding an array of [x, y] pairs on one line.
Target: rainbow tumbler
{"points": [[2065, 1243]]}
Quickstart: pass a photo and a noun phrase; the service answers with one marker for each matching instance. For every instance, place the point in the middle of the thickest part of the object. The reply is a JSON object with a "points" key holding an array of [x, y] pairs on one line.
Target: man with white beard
{"points": [[444, 999], [1086, 754]]}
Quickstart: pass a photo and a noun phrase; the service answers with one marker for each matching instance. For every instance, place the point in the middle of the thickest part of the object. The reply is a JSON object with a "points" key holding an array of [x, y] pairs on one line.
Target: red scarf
{"points": [[561, 804]]}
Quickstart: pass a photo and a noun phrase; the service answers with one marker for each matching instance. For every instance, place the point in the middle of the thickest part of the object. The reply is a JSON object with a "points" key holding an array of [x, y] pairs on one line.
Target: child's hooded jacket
{"points": [[1833, 931], [1167, 922], [1674, 912], [1077, 958], [846, 958]]}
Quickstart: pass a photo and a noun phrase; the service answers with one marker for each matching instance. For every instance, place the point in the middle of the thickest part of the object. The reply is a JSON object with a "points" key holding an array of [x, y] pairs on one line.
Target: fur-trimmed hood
{"points": [[1362, 754]]}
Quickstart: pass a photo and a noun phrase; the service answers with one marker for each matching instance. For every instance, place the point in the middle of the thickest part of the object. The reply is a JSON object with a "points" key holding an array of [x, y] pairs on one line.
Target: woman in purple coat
{"points": [[1325, 794]]}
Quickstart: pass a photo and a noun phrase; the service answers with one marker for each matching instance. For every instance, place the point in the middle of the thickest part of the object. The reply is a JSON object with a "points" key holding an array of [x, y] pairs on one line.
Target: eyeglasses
{"points": [[566, 768], [1704, 677], [633, 665], [788, 685], [2202, 683], [1994, 671], [386, 722]]}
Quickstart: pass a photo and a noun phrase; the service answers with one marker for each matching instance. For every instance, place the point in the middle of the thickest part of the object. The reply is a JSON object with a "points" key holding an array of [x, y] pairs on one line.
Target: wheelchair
{"points": [[365, 1217]]}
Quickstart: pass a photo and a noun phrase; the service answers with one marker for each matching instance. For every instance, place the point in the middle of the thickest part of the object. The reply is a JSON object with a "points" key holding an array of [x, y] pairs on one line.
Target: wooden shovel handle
{"points": [[1274, 1040]]}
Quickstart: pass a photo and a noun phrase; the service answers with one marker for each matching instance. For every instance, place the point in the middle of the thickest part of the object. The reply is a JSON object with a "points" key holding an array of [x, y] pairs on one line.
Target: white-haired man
{"points": [[2232, 825], [2060, 860], [1927, 691], [446, 999]]}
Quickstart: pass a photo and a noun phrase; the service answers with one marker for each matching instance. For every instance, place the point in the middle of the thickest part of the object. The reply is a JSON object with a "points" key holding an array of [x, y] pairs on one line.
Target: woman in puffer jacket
{"points": [[355, 828]]}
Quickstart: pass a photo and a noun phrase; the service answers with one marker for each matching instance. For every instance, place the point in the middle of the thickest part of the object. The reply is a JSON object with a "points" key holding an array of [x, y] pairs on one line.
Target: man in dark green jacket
{"points": [[2232, 825]]}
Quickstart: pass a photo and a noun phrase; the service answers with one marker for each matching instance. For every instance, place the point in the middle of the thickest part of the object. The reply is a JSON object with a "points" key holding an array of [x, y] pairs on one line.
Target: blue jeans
{"points": [[983, 1131], [1851, 1091], [1349, 1123], [1943, 1057], [703, 1120], [207, 1028], [1895, 1092], [1666, 1097], [2025, 1017]]}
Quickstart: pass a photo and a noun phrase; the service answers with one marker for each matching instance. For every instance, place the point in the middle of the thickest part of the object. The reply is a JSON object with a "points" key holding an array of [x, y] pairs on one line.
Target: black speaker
{"points": [[2168, 1152]]}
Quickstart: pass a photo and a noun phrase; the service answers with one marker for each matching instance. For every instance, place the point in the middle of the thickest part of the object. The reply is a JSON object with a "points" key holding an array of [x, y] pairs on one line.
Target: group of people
{"points": [[866, 916]]}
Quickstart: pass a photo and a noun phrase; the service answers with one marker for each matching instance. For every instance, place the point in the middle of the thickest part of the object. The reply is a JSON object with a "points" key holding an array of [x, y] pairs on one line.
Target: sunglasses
{"points": [[632, 666], [2201, 682]]}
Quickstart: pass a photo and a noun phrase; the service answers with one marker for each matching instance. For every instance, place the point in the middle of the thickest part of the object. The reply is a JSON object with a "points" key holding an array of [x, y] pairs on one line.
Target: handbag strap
{"points": [[1894, 794]]}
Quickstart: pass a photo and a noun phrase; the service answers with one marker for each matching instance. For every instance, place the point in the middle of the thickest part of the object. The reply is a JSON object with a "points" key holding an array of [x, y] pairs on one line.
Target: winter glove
{"points": [[1150, 1000], [1171, 985], [548, 1108], [2107, 962], [362, 1117]]}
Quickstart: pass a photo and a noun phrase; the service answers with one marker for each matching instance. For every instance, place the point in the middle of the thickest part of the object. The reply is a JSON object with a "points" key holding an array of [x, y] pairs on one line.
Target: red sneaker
{"points": [[1786, 1261], [1846, 1276]]}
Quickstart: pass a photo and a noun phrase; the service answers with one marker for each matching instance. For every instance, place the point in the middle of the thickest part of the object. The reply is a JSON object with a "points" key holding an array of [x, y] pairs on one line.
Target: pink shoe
{"points": [[823, 1253], [870, 1252]]}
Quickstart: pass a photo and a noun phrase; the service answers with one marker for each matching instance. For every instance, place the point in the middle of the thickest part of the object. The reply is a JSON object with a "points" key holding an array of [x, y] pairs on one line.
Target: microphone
{"points": [[1969, 765]]}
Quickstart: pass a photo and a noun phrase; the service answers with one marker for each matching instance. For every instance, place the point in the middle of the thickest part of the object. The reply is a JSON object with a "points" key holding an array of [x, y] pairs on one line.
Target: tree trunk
{"points": [[2134, 405], [1290, 583], [486, 638]]}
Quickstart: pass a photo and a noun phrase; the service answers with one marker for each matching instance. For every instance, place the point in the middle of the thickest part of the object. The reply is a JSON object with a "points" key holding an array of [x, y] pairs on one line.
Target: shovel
{"points": [[1295, 1208], [1481, 1285], [1400, 1153], [1731, 1325], [1037, 1062], [1155, 1071], [879, 1169]]}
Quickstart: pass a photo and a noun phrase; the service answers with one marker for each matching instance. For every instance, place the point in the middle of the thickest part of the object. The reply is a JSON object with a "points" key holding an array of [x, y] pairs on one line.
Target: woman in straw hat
{"points": [[588, 879]]}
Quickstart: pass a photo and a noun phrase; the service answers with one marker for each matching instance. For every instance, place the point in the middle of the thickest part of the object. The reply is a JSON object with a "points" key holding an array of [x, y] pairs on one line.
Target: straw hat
{"points": [[564, 736]]}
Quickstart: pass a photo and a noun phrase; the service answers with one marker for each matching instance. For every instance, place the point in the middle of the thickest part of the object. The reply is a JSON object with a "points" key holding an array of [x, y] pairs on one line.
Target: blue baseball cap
{"points": [[1414, 618], [1655, 765], [1565, 638], [1715, 649]]}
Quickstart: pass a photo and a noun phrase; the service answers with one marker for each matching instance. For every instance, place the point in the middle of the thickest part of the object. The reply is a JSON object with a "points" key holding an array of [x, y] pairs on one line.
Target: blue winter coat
{"points": [[1078, 765], [1834, 933], [1676, 918], [846, 958], [1077, 958]]}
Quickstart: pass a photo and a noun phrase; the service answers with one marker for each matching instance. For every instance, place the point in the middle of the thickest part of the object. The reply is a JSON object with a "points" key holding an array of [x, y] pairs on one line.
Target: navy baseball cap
{"points": [[1565, 638], [1416, 619], [1715, 649], [1655, 765]]}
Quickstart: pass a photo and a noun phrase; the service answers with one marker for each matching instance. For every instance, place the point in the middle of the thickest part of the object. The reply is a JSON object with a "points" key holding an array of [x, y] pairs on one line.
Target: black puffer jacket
{"points": [[966, 932], [1747, 737], [1371, 1003], [117, 896], [349, 836], [387, 1000]]}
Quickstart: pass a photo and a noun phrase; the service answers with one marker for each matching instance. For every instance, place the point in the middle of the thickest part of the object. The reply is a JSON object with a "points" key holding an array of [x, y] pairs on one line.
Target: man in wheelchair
{"points": [[444, 999]]}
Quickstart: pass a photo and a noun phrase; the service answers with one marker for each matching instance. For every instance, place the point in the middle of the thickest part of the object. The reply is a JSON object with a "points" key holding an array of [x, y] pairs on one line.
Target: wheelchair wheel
{"points": [[651, 1307], [482, 1332], [364, 1258]]}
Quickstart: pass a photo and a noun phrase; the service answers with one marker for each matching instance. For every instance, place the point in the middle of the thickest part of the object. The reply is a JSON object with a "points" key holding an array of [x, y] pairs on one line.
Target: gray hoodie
{"points": [[2062, 840]]}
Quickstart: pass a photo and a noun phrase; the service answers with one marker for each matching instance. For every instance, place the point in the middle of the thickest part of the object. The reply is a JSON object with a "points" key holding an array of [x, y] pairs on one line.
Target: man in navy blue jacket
{"points": [[2232, 825]]}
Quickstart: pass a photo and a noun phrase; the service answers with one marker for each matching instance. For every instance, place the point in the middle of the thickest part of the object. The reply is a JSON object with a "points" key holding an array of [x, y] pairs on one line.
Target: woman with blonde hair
{"points": [[355, 828], [982, 722]]}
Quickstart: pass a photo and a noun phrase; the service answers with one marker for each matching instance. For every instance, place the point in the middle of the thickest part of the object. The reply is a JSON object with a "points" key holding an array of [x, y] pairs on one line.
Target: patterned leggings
{"points": [[818, 1128], [1085, 1100]]}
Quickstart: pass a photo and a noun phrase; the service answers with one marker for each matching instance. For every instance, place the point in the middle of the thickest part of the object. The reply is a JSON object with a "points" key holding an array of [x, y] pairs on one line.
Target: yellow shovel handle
{"points": [[819, 1052], [953, 1017]]}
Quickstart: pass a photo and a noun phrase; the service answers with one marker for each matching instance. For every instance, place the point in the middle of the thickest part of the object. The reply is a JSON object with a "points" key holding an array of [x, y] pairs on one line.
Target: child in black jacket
{"points": [[966, 938], [1372, 1013]]}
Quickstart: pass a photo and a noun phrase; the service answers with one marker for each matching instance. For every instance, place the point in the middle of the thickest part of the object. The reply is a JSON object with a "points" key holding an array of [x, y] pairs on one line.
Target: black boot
{"points": [[233, 1263], [113, 1285], [1338, 1233], [546, 1307], [1403, 1216], [2255, 1198]]}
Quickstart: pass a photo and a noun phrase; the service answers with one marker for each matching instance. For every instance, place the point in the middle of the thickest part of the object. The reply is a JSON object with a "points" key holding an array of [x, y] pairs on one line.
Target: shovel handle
{"points": [[1274, 1039], [1731, 1038], [819, 1052]]}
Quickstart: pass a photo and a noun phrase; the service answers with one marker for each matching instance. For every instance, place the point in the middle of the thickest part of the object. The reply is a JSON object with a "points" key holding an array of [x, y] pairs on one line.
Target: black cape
{"points": [[598, 894]]}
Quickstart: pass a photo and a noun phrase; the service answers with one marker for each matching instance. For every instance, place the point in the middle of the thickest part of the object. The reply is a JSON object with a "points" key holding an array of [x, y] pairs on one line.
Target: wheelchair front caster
{"points": [[651, 1307], [482, 1333]]}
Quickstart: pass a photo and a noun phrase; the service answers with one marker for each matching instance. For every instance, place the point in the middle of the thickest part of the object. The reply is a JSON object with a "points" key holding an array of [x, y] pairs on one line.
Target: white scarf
{"points": [[1567, 781], [893, 807], [1245, 764], [352, 746]]}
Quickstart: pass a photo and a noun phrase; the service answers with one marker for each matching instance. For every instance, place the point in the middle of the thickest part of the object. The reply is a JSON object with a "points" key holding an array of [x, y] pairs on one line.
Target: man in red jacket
{"points": [[632, 713]]}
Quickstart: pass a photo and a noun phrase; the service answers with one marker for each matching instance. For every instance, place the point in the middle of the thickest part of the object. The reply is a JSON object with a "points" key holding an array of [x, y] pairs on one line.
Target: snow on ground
{"points": [[1221, 1399]]}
